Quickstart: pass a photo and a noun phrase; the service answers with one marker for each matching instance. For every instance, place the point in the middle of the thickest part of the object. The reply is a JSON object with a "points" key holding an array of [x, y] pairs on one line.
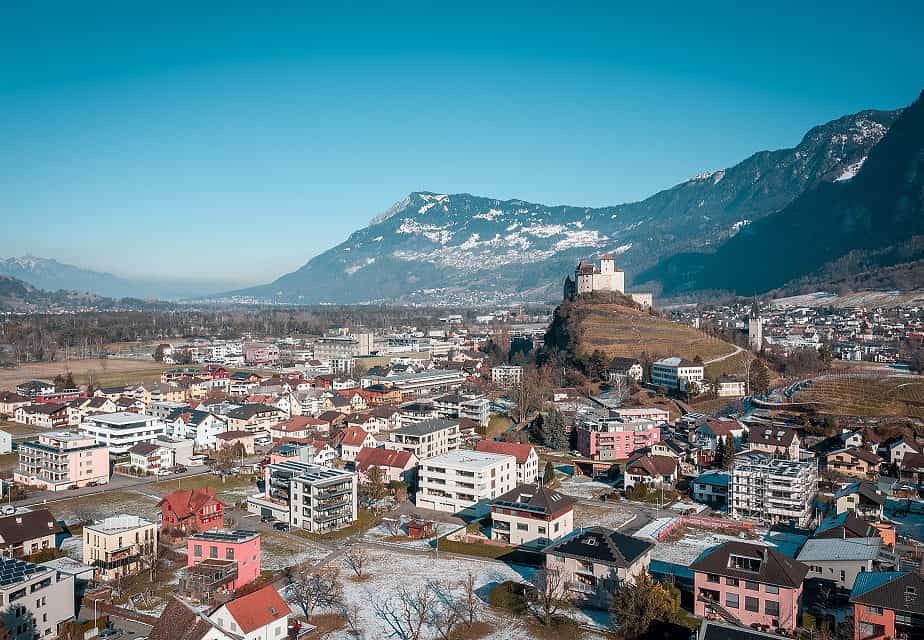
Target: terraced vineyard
{"points": [[866, 395]]}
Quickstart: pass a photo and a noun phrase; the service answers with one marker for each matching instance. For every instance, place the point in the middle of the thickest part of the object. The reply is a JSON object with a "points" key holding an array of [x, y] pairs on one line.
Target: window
{"points": [[772, 608], [711, 577], [521, 526], [213, 552], [876, 611], [731, 582], [751, 586], [197, 551], [752, 604], [731, 600], [229, 554], [772, 589]]}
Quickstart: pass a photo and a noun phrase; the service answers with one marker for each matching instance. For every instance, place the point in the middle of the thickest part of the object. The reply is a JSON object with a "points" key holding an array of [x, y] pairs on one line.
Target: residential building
{"points": [[856, 462], [10, 402], [36, 599], [122, 431], [506, 375], [527, 458], [119, 546], [593, 563], [863, 498], [253, 417], [260, 615], [192, 510], [888, 604], [772, 489], [894, 450], [531, 515], [35, 388], [708, 435], [395, 466], [750, 584], [61, 460], [844, 525], [245, 440], [458, 480], [419, 383], [259, 354], [615, 438], [840, 560], [298, 427], [80, 408], [714, 630], [650, 470], [777, 442], [148, 459], [457, 405], [675, 373], [228, 560], [26, 532], [309, 496], [426, 439], [201, 427], [350, 441], [731, 387], [711, 488], [627, 367], [48, 415]]}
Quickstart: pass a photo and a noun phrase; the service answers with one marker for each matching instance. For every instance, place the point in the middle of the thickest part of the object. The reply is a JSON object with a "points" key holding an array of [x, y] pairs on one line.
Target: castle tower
{"points": [[607, 264], [755, 328]]}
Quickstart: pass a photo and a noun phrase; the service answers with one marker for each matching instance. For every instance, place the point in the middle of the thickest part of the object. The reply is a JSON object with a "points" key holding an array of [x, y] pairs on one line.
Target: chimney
{"points": [[18, 519]]}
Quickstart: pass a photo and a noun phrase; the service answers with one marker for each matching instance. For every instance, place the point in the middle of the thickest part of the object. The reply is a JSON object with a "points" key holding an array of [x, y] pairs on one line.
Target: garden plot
{"points": [[101, 505], [381, 533], [390, 570], [279, 551], [610, 516], [584, 487]]}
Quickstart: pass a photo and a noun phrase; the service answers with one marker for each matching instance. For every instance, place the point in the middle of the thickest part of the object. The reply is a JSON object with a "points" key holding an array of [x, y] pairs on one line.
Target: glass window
{"points": [[197, 550], [874, 610], [711, 577], [772, 607], [732, 582], [731, 600], [752, 604], [770, 588], [751, 586]]}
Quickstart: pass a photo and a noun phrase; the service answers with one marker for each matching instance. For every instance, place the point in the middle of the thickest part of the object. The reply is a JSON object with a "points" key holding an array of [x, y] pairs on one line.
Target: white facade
{"points": [[426, 439], [506, 375], [674, 373], [122, 431], [772, 490], [458, 480]]}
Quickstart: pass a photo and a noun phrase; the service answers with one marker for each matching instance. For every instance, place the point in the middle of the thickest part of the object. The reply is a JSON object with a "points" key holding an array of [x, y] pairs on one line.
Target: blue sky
{"points": [[232, 142]]}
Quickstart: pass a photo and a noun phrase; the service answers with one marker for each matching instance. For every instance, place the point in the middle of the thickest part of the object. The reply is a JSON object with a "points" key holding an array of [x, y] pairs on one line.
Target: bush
{"points": [[510, 596]]}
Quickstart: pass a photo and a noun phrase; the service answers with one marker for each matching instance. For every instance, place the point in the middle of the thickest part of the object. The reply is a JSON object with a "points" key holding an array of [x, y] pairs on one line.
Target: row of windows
{"points": [[771, 607], [748, 584]]}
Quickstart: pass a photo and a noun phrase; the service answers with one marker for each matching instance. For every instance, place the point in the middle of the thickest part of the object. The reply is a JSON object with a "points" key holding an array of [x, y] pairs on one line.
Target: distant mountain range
{"points": [[51, 275], [462, 248], [854, 230], [22, 297]]}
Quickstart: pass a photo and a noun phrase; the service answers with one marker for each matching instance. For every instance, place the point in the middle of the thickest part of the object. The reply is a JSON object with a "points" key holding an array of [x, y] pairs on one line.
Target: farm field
{"points": [[111, 372], [867, 395]]}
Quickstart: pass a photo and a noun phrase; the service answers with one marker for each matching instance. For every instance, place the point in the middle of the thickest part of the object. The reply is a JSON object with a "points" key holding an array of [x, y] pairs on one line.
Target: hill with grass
{"points": [[617, 327]]}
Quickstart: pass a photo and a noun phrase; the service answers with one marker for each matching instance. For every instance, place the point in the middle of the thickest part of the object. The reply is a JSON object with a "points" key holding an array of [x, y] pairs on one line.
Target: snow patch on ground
{"points": [[851, 170], [356, 267], [490, 215], [584, 487], [432, 232], [621, 249], [584, 238], [738, 226]]}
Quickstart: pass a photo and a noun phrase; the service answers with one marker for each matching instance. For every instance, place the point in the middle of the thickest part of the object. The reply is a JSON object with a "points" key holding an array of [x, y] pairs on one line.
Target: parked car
{"points": [[281, 526], [267, 519], [164, 472], [180, 469]]}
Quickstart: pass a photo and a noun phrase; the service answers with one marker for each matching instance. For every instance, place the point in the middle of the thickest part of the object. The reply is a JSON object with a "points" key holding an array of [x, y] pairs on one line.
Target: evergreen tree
{"points": [[637, 604], [556, 435], [719, 459], [549, 473], [760, 377], [728, 457]]}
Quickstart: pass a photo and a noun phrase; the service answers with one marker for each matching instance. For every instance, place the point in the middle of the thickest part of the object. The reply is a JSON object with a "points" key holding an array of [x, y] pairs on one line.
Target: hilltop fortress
{"points": [[606, 277]]}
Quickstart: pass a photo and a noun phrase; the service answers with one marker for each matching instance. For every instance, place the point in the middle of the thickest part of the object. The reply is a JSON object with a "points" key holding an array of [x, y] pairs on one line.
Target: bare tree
{"points": [[350, 613], [357, 558], [548, 583], [469, 602], [309, 590], [393, 525], [408, 613]]}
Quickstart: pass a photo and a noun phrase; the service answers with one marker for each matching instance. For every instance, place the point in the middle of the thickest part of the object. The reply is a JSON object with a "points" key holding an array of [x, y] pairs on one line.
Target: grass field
{"points": [[621, 331], [861, 395], [497, 425], [109, 372]]}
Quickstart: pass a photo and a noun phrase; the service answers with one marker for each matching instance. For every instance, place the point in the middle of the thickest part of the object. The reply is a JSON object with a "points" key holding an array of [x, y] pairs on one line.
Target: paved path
{"points": [[726, 356]]}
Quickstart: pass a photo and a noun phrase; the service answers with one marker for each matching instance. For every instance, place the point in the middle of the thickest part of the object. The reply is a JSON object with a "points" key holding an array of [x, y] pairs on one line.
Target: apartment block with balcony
{"points": [[609, 439], [426, 439], [219, 563], [772, 490], [119, 546], [458, 480], [35, 599], [122, 431], [531, 515], [60, 460]]}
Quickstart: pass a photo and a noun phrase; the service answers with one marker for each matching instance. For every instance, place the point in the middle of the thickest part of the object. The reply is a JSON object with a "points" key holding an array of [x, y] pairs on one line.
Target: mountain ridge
{"points": [[463, 248]]}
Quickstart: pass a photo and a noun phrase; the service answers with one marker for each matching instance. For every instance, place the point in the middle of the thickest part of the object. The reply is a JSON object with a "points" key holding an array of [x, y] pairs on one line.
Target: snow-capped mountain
{"points": [[462, 248], [52, 275]]}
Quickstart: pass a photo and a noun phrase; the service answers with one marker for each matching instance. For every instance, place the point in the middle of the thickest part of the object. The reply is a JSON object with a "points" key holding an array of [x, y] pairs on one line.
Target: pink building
{"points": [[260, 354], [616, 438], [216, 548], [754, 584], [62, 460]]}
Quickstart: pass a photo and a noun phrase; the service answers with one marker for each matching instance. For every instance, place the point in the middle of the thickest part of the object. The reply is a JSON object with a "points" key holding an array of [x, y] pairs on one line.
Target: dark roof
{"points": [[867, 456], [844, 525], [654, 466], [775, 568], [534, 498], [772, 436], [27, 525], [606, 546], [622, 364], [890, 590], [144, 448], [866, 490], [426, 426], [712, 630], [179, 622], [248, 411]]}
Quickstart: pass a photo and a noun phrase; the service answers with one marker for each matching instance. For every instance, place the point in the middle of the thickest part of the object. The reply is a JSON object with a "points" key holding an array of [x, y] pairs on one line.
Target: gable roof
{"points": [[772, 436], [519, 451], [180, 622], [258, 609], [27, 525], [722, 427], [891, 590], [838, 549], [534, 498], [185, 502], [351, 437], [844, 525], [144, 448], [598, 544], [775, 568], [654, 466], [864, 489], [381, 457]]}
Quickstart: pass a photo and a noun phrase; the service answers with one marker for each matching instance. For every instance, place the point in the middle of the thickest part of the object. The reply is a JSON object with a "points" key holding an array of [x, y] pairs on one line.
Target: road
{"points": [[725, 357]]}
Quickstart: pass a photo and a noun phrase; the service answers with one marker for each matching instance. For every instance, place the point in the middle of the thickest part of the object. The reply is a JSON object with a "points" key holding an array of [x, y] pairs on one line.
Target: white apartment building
{"points": [[457, 405], [531, 514], [506, 375], [675, 373], [458, 480], [772, 490], [119, 546], [36, 599], [423, 382], [122, 431], [426, 439]]}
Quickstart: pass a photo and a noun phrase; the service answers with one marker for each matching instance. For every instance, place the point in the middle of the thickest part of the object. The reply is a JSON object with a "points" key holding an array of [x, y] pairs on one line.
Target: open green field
{"points": [[108, 372]]}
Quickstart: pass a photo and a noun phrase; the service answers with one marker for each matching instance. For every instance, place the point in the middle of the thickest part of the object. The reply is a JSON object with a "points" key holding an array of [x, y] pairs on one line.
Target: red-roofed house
{"points": [[349, 441], [192, 510], [527, 458], [394, 465], [260, 615], [298, 427], [707, 435]]}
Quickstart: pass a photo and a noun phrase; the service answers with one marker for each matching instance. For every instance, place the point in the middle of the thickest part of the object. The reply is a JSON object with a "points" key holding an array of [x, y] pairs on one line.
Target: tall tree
{"points": [[760, 377], [719, 459], [637, 604], [549, 474], [728, 457]]}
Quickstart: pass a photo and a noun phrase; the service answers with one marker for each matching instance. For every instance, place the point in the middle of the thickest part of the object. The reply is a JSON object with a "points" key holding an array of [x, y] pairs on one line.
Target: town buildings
{"points": [[531, 514], [711, 488], [25, 532], [227, 560], [676, 373], [506, 375], [426, 439], [855, 461], [753, 584], [651, 471], [613, 438], [192, 510], [120, 546], [61, 460], [525, 454], [888, 604], [122, 431], [775, 441], [458, 480], [260, 615], [395, 466], [841, 560], [772, 490], [36, 599]]}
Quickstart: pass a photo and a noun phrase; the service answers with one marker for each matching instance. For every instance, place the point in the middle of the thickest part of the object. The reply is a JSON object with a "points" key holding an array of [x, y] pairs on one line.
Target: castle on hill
{"points": [[589, 277]]}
